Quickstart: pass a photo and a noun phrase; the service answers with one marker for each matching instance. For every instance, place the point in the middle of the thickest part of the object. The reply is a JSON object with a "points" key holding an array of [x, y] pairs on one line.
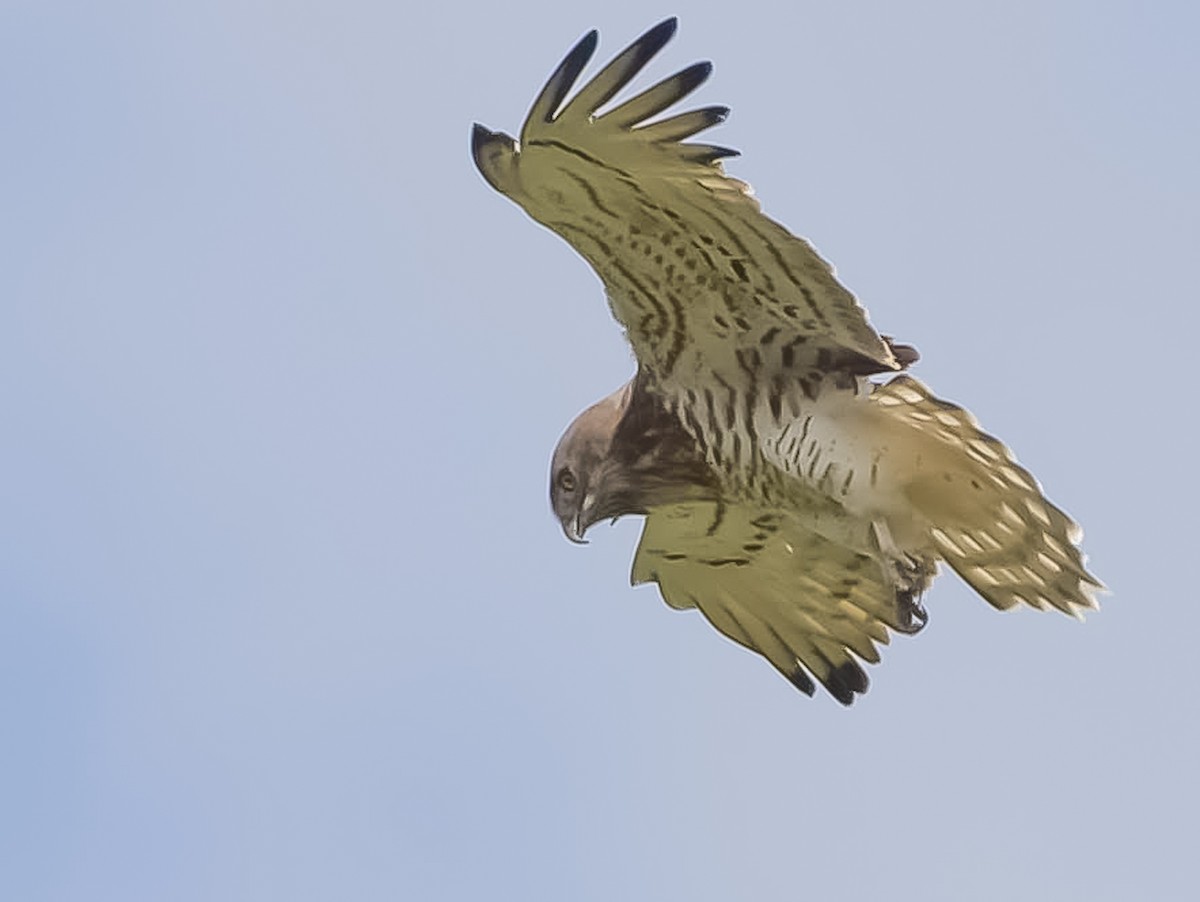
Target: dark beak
{"points": [[574, 529]]}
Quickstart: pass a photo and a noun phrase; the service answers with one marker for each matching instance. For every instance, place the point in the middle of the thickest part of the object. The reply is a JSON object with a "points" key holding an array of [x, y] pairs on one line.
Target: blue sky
{"points": [[284, 612]]}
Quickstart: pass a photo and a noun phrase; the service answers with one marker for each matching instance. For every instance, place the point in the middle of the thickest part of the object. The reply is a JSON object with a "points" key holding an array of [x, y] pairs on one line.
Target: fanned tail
{"points": [[988, 516]]}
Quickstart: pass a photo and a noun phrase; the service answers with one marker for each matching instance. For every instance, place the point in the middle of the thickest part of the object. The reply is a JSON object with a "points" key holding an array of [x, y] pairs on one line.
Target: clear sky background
{"points": [[283, 611]]}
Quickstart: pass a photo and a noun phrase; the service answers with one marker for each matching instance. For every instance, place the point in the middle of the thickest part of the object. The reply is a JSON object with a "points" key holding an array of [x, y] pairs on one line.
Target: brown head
{"points": [[624, 455]]}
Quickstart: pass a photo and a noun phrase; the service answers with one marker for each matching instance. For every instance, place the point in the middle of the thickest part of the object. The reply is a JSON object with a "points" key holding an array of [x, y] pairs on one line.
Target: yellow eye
{"points": [[565, 480]]}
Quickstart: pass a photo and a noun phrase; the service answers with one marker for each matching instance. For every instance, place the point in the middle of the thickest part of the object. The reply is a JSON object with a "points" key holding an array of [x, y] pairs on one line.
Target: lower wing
{"points": [[812, 608]]}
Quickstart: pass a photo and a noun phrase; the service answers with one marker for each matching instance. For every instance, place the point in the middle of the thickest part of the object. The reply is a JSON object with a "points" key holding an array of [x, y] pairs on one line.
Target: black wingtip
{"points": [[620, 70], [648, 45], [708, 153], [639, 53], [479, 137], [574, 64], [564, 77], [722, 153], [801, 681], [689, 79], [579, 55], [658, 36], [845, 681], [483, 143]]}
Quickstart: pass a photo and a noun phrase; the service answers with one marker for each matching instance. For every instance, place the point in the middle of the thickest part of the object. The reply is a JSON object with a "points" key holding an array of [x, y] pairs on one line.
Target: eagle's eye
{"points": [[565, 480]]}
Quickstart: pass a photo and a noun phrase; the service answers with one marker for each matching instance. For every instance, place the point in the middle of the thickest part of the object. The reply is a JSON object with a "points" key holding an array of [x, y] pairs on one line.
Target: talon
{"points": [[913, 615], [911, 575]]}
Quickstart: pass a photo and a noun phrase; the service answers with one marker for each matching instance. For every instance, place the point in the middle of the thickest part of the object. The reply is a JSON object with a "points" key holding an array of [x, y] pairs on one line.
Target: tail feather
{"points": [[988, 516]]}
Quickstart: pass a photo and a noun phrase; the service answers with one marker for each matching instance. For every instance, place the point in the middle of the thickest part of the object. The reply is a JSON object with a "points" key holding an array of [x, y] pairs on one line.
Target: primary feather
{"points": [[684, 250]]}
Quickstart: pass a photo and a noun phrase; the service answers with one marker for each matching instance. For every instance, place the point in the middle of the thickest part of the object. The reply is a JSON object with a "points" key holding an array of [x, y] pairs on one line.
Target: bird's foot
{"points": [[912, 614], [910, 575]]}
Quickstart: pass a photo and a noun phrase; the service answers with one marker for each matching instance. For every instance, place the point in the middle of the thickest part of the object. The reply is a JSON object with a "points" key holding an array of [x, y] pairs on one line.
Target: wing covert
{"points": [[690, 262]]}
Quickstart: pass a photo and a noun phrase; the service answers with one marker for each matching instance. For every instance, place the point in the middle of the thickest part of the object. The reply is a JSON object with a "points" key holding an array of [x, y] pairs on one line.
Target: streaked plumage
{"points": [[756, 573], [770, 469]]}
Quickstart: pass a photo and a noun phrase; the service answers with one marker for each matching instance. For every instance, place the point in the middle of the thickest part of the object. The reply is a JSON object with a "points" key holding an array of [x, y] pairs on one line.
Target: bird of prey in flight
{"points": [[801, 506]]}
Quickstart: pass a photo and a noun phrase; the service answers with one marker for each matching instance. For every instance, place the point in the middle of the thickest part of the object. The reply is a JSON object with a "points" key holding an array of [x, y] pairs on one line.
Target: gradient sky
{"points": [[283, 612]]}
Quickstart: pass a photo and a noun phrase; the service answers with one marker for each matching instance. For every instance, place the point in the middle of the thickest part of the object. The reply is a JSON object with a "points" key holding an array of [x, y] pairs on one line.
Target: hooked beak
{"points": [[574, 529]]}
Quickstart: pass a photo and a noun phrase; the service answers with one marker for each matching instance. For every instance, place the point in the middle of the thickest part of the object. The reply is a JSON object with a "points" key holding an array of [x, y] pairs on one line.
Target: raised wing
{"points": [[811, 608], [695, 272]]}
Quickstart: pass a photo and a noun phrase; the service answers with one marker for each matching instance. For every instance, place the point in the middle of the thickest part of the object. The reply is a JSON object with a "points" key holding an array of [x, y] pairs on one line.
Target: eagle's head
{"points": [[586, 481], [495, 156], [624, 455]]}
